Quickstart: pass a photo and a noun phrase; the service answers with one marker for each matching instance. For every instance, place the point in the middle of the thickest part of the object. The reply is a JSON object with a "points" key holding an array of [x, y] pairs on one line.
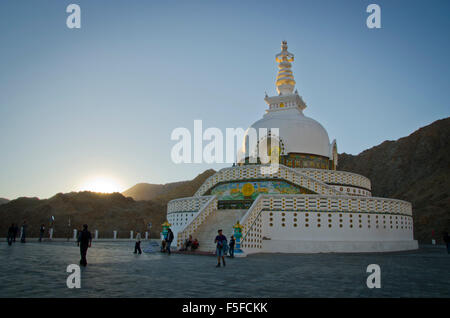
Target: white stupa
{"points": [[304, 206]]}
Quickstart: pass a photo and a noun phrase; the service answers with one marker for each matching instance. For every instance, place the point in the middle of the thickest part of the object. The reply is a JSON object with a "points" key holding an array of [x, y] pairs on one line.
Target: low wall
{"points": [[285, 246]]}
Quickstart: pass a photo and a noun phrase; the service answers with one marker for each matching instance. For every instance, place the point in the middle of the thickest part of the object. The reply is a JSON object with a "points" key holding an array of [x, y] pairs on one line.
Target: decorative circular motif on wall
{"points": [[248, 189]]}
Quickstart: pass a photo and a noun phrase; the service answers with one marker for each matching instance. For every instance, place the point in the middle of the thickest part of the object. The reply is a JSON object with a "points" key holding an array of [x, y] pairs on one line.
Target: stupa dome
{"points": [[297, 133]]}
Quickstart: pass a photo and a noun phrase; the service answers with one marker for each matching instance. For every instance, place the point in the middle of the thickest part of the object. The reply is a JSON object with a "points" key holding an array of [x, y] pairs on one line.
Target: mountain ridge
{"points": [[414, 168], [104, 212], [149, 191]]}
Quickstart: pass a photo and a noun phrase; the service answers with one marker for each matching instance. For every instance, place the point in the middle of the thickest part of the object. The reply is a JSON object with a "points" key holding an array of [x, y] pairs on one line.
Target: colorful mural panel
{"points": [[251, 189]]}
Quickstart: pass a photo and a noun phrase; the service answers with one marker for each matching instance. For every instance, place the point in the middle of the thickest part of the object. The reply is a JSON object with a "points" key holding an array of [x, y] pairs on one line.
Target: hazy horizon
{"points": [[94, 107]]}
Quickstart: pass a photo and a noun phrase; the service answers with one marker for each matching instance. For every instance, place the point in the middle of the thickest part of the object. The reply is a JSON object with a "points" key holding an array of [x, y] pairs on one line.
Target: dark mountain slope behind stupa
{"points": [[415, 168], [148, 191]]}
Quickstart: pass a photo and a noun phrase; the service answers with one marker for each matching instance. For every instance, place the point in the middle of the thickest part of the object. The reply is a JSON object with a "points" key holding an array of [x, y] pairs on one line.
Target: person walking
{"points": [[10, 234], [23, 233], [221, 241], [169, 240], [137, 246], [84, 242], [446, 239], [232, 242], [41, 232], [16, 231]]}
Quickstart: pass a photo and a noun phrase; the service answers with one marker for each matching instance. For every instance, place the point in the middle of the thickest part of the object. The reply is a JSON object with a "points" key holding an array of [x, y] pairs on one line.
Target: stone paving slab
{"points": [[39, 270]]}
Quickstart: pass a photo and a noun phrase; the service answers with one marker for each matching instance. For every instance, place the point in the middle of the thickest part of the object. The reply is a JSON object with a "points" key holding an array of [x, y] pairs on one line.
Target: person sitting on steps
{"points": [[187, 243], [195, 245]]}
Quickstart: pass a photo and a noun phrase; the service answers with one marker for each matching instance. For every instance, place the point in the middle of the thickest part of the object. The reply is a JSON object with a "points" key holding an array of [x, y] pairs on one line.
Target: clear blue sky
{"points": [[103, 100]]}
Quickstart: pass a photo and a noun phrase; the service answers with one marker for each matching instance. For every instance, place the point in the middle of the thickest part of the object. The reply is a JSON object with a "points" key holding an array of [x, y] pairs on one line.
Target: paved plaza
{"points": [[39, 270]]}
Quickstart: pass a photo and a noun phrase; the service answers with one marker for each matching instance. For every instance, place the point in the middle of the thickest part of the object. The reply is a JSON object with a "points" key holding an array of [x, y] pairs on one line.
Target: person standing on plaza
{"points": [[16, 231], [446, 239], [10, 234], [41, 232], [137, 246], [232, 242], [221, 241], [169, 240], [23, 233], [84, 242]]}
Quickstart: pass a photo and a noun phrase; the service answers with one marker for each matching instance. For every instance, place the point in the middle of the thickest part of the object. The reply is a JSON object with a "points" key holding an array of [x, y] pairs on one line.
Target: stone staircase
{"points": [[220, 219]]}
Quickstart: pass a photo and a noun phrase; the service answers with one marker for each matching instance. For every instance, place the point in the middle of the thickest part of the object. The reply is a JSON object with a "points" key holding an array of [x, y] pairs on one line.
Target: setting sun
{"points": [[101, 184]]}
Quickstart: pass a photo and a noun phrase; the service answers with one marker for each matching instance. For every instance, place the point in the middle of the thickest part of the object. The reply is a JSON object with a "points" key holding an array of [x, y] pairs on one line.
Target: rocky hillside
{"points": [[3, 201], [168, 191], [148, 191], [105, 212], [415, 168]]}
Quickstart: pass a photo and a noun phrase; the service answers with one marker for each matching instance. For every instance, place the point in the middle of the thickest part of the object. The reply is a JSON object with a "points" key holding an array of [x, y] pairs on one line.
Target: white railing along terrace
{"points": [[337, 177]]}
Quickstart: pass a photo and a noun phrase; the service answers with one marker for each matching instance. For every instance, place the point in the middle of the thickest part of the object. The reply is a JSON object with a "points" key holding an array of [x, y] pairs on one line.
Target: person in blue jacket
{"points": [[221, 242]]}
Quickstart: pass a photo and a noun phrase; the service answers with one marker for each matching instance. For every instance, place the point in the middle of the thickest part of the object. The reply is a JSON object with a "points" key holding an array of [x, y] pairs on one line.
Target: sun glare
{"points": [[101, 184]]}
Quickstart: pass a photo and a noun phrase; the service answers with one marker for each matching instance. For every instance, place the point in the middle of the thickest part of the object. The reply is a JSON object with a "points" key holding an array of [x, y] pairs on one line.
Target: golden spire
{"points": [[285, 80]]}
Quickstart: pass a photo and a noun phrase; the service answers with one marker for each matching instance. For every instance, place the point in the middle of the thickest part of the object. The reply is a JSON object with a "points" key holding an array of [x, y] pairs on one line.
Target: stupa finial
{"points": [[285, 79]]}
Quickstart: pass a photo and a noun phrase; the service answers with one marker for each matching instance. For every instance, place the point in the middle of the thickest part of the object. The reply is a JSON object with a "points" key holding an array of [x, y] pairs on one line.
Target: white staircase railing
{"points": [[209, 207], [248, 221], [189, 204]]}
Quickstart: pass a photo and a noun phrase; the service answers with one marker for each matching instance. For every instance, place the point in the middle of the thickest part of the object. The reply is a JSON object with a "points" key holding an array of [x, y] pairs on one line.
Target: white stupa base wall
{"points": [[292, 246]]}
